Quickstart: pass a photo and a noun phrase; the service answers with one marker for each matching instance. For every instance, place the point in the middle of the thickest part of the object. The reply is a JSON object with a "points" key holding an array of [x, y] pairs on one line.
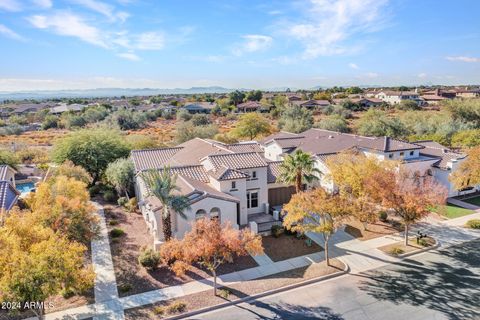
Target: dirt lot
{"points": [[287, 246], [374, 230], [412, 245], [131, 277], [240, 290]]}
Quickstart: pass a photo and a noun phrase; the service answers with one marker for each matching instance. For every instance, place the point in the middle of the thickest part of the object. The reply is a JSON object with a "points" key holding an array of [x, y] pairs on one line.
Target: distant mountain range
{"points": [[119, 92]]}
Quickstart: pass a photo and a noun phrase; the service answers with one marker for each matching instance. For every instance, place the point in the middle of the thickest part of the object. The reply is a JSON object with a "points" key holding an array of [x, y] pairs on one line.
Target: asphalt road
{"points": [[443, 284]]}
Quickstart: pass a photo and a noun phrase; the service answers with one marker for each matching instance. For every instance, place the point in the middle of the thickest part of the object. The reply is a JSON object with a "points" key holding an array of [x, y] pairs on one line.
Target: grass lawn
{"points": [[474, 200], [451, 211]]}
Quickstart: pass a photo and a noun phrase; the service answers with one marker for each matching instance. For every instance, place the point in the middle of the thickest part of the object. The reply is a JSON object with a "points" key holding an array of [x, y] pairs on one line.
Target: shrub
{"points": [[395, 251], [224, 293], [109, 196], [423, 242], [177, 307], [123, 288], [132, 205], [474, 224], [277, 231], [149, 259], [122, 201], [116, 233], [113, 222], [159, 310], [383, 216]]}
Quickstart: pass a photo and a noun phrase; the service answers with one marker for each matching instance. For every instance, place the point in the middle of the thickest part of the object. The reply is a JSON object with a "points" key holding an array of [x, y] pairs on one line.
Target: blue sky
{"points": [[79, 44]]}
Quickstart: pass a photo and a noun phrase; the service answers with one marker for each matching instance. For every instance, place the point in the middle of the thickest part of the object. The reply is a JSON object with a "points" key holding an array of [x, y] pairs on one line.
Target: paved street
{"points": [[443, 284]]}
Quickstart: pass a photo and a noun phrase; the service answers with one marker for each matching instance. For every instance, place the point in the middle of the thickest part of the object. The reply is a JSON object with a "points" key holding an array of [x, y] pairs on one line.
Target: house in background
{"points": [[395, 97], [468, 93], [199, 107], [311, 104], [252, 106], [8, 194]]}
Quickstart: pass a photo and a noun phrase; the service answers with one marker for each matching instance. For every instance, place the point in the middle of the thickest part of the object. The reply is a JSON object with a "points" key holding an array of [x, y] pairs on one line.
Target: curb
{"points": [[262, 294], [408, 254]]}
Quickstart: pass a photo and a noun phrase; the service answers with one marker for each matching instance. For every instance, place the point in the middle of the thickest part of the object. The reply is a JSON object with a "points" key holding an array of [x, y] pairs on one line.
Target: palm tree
{"points": [[298, 168], [162, 184]]}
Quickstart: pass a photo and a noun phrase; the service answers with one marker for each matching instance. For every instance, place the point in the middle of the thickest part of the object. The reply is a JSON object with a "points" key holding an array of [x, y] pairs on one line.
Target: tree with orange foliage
{"points": [[316, 211], [351, 173], [468, 172], [209, 244], [409, 197]]}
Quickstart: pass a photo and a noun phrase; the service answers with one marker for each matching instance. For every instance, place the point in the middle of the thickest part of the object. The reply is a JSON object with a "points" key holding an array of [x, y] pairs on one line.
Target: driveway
{"points": [[443, 284]]}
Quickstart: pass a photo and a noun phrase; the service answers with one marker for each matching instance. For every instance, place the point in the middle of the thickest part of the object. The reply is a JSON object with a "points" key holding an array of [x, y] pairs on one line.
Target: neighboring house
{"points": [[395, 97], [432, 99], [311, 104], [472, 93], [199, 107], [63, 107], [8, 194], [363, 102], [444, 93], [27, 108], [252, 106], [233, 183], [423, 157]]}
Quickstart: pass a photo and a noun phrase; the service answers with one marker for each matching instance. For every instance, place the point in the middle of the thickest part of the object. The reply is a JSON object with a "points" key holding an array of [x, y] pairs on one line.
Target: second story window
{"points": [[234, 185], [254, 174], [402, 154]]}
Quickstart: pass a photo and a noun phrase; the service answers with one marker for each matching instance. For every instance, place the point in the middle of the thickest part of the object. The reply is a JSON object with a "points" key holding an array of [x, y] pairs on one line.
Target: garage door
{"points": [[279, 196]]}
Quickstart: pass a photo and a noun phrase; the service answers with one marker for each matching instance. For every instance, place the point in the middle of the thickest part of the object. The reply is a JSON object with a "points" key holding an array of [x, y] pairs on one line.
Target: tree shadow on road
{"points": [[448, 283]]}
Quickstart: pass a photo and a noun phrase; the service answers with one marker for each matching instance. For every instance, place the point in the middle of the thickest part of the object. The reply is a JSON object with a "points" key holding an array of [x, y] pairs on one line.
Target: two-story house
{"points": [[396, 97]]}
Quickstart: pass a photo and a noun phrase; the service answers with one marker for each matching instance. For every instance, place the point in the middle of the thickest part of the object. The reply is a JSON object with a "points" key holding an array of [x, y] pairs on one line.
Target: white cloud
{"points": [[104, 9], [422, 75], [327, 24], [353, 65], [252, 43], [149, 41], [129, 56], [10, 33], [43, 3], [10, 5], [463, 59], [68, 24]]}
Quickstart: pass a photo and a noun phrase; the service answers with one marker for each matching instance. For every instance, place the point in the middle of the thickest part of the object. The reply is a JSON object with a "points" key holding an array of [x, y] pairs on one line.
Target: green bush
{"points": [[474, 223], [423, 242], [395, 251], [277, 230], [224, 293], [113, 222], [132, 205], [383, 216], [177, 307], [116, 233], [109, 196], [124, 288], [122, 201], [149, 259], [159, 310], [94, 190]]}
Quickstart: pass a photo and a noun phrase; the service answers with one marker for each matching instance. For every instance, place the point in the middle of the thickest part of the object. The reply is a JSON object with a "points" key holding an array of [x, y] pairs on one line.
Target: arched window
{"points": [[215, 213], [200, 214]]}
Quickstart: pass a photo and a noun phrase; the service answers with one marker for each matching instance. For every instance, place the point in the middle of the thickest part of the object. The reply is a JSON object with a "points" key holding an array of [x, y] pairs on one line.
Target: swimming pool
{"points": [[25, 187]]}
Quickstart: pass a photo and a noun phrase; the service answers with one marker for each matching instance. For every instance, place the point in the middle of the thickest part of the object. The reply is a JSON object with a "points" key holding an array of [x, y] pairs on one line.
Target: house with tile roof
{"points": [[396, 97], [8, 194], [238, 182]]}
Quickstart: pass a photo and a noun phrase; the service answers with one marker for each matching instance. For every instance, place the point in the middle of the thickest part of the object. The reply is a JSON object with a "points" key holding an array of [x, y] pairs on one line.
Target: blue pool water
{"points": [[25, 187]]}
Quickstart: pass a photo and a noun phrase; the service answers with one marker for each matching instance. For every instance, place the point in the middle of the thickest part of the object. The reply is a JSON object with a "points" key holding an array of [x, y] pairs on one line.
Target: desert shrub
{"points": [[113, 222], [295, 119], [159, 310], [177, 307], [277, 231], [423, 242], [383, 216], [123, 288], [10, 130], [109, 196], [149, 259], [333, 123], [116, 233], [132, 205], [94, 190], [200, 120], [122, 201], [395, 251], [183, 115], [474, 223], [224, 293]]}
